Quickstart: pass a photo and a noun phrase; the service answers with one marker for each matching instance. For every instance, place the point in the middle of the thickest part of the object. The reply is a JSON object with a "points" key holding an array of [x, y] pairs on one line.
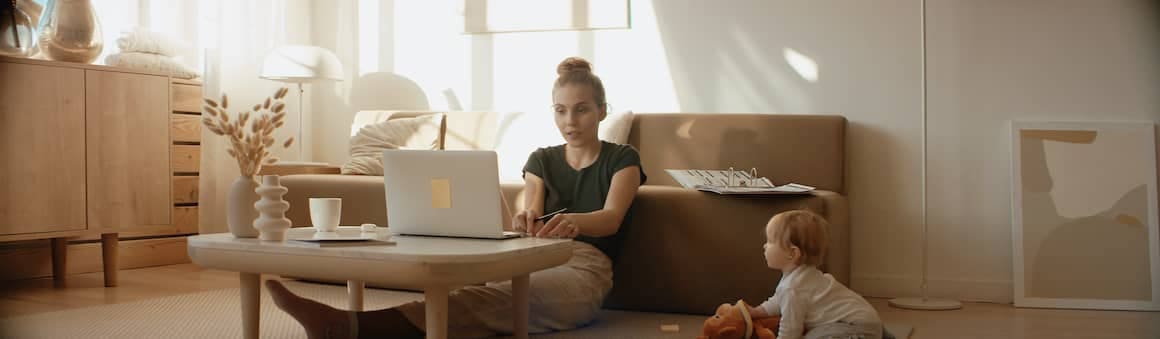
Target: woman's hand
{"points": [[525, 221], [757, 312], [562, 225]]}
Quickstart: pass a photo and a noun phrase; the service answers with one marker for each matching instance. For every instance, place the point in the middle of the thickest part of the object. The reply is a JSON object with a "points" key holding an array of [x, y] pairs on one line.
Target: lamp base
{"points": [[926, 304]]}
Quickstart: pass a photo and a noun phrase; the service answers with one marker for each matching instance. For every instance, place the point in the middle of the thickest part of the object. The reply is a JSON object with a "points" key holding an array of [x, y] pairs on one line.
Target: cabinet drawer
{"points": [[184, 189], [185, 219], [186, 98], [185, 127], [185, 158]]}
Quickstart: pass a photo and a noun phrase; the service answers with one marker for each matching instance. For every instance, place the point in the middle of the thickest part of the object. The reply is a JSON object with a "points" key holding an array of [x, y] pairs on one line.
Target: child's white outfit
{"points": [[813, 302]]}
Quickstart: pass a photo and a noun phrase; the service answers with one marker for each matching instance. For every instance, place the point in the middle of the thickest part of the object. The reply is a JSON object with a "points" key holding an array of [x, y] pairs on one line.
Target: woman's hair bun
{"points": [[573, 64]]}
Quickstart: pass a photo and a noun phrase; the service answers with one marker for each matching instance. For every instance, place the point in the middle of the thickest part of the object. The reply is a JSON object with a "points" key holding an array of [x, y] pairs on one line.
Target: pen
{"points": [[548, 216]]}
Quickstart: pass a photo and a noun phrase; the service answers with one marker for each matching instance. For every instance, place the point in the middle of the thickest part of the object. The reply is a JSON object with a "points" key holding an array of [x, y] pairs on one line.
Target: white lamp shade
{"points": [[298, 63]]}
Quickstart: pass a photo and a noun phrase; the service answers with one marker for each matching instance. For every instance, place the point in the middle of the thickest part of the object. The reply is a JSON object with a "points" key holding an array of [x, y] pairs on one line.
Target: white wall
{"points": [[989, 61], [994, 61]]}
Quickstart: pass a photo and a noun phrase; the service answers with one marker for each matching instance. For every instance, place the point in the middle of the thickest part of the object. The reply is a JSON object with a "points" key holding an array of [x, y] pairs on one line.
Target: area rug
{"points": [[217, 314]]}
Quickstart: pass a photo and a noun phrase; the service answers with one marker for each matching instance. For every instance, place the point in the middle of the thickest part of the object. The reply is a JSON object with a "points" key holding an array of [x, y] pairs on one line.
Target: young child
{"points": [[809, 301]]}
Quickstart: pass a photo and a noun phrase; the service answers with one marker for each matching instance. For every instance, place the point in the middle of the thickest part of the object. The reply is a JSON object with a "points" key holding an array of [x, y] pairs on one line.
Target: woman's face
{"points": [[577, 115]]}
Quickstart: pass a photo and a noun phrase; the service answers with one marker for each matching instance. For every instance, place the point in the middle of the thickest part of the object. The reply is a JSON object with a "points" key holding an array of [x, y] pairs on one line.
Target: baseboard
{"points": [[33, 259], [996, 291]]}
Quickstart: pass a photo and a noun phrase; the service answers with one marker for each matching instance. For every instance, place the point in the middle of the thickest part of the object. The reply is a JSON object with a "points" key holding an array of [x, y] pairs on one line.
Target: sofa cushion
{"points": [[616, 126], [805, 149], [366, 147], [460, 130]]}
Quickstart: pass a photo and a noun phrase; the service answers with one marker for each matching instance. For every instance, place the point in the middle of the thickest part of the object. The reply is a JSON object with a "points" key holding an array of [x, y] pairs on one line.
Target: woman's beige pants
{"points": [[562, 298]]}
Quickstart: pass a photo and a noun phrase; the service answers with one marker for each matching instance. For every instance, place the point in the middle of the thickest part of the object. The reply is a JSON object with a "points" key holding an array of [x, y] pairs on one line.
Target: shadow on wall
{"points": [[874, 155], [864, 142]]}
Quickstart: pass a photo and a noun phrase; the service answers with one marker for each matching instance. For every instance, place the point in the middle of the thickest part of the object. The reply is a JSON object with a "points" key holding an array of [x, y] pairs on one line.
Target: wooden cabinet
{"points": [[94, 152], [42, 149]]}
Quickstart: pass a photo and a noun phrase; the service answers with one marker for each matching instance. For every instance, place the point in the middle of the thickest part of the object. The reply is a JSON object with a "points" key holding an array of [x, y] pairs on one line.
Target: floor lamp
{"points": [[299, 64], [924, 303]]}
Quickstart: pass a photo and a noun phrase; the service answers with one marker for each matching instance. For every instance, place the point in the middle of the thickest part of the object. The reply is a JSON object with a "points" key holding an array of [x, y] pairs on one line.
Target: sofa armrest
{"points": [[363, 197], [686, 251]]}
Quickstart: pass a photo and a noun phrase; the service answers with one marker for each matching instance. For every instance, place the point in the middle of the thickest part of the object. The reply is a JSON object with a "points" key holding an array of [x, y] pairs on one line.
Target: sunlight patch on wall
{"points": [[803, 65], [777, 90]]}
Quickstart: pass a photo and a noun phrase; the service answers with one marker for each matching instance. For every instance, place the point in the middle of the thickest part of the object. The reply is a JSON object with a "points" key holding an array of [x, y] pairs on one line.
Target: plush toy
{"points": [[734, 322]]}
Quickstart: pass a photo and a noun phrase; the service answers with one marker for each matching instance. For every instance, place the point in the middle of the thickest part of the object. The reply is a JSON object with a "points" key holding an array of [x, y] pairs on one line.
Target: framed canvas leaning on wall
{"points": [[1084, 215]]}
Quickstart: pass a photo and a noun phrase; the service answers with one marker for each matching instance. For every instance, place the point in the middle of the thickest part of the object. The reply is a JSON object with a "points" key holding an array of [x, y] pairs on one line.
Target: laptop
{"points": [[443, 193]]}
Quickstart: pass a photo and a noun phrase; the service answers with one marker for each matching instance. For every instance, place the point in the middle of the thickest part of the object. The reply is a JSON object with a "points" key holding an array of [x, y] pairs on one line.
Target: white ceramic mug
{"points": [[325, 213]]}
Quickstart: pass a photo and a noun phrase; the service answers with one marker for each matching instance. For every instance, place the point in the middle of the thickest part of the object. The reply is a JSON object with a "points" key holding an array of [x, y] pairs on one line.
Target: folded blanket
{"points": [[151, 62], [145, 41]]}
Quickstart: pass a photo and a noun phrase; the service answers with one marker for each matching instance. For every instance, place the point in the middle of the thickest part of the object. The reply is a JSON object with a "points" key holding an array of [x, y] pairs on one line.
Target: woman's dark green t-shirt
{"points": [[583, 190]]}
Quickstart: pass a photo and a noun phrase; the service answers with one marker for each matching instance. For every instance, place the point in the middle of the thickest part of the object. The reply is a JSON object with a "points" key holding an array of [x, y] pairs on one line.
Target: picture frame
{"points": [[1084, 215], [509, 16]]}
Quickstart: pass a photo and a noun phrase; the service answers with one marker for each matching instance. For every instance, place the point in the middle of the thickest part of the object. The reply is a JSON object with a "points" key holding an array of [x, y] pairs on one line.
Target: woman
{"points": [[595, 180]]}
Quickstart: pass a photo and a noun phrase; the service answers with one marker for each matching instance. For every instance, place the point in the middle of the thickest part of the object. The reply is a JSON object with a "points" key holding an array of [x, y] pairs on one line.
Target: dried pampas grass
{"points": [[249, 146]]}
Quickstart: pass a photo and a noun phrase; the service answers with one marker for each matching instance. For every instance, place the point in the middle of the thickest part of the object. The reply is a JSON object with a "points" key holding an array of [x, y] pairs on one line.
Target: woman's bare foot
{"points": [[320, 320]]}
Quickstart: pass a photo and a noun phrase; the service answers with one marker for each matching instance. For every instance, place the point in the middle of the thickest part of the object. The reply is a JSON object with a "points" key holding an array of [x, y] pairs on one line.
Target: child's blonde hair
{"points": [[804, 229]]}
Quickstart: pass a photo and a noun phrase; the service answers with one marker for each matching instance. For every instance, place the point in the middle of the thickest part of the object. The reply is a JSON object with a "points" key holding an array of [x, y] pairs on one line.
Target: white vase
{"points": [[272, 223], [240, 212]]}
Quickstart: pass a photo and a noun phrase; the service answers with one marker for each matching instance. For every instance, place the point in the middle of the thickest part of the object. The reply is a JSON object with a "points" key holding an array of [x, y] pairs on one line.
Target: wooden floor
{"points": [[975, 320]]}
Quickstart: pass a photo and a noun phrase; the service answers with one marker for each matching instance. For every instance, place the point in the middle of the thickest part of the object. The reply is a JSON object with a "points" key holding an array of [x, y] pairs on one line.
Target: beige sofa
{"points": [[685, 251]]}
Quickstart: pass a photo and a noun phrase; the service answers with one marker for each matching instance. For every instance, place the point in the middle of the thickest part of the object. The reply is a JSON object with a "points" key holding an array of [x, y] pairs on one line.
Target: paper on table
{"points": [[718, 181], [344, 236]]}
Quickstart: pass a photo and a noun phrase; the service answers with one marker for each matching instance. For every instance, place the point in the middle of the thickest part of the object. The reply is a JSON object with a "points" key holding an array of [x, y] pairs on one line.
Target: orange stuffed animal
{"points": [[734, 322]]}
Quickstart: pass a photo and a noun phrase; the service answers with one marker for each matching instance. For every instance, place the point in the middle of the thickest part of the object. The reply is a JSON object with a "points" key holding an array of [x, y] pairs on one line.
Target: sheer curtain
{"points": [[227, 41]]}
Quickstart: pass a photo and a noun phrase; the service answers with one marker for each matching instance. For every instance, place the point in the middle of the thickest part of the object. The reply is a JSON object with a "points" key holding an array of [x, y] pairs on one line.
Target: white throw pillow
{"points": [[615, 127], [366, 147]]}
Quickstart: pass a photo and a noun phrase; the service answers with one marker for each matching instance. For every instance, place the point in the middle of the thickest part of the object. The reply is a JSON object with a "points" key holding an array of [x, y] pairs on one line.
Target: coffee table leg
{"points": [[354, 290], [251, 303], [436, 297], [520, 294]]}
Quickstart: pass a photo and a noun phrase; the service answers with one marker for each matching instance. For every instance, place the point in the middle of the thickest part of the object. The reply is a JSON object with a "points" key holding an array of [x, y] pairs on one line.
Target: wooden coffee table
{"points": [[437, 264]]}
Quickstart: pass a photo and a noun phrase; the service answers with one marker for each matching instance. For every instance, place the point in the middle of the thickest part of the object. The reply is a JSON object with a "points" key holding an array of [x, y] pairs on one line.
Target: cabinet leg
{"points": [[59, 261], [109, 258]]}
